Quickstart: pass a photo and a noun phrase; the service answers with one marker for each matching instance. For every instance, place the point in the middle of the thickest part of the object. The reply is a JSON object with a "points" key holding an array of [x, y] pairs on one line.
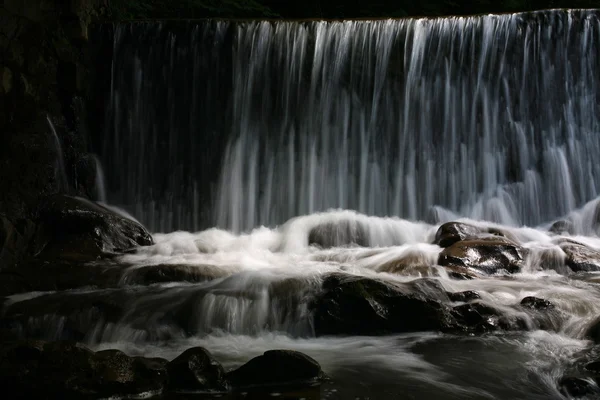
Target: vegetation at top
{"points": [[165, 9]]}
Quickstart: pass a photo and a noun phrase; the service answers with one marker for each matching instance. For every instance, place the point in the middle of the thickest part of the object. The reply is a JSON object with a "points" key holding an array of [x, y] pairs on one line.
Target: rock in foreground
{"points": [[59, 370], [69, 370], [487, 255], [78, 229], [196, 369], [361, 306], [277, 367]]}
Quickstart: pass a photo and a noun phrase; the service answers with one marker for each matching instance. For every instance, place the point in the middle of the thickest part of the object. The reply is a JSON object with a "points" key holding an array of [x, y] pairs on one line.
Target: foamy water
{"points": [[258, 287]]}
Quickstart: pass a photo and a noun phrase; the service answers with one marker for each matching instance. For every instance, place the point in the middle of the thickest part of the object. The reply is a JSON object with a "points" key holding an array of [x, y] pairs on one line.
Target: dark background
{"points": [[143, 9]]}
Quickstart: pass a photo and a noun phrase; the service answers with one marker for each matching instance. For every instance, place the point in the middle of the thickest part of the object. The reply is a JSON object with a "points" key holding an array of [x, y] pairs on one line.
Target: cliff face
{"points": [[44, 74]]}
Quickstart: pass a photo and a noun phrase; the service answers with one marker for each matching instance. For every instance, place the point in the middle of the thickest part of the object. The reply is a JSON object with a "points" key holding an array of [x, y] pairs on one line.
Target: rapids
{"points": [[268, 155], [259, 285]]}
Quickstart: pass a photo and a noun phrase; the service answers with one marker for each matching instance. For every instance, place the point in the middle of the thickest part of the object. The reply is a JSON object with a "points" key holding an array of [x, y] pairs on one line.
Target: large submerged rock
{"points": [[488, 255], [340, 233], [74, 228], [194, 370], [277, 367], [70, 370], [362, 306]]}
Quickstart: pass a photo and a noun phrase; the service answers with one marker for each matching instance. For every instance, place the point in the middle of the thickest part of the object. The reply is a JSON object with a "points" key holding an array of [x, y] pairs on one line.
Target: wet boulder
{"points": [[580, 258], [593, 331], [562, 227], [594, 367], [535, 303], [196, 370], [486, 255], [15, 239], [578, 387], [160, 273], [410, 264], [70, 370], [478, 318], [355, 305], [464, 297], [74, 228], [277, 367], [115, 373], [64, 315], [338, 234], [452, 232]]}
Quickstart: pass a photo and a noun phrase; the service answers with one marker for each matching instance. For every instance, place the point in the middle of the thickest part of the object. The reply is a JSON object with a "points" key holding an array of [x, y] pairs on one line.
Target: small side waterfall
{"points": [[60, 172], [100, 181], [242, 124]]}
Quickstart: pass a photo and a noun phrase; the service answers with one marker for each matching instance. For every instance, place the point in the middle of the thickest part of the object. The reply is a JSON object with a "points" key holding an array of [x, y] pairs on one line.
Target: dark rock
{"points": [[74, 228], [173, 273], [336, 234], [580, 258], [561, 227], [478, 317], [536, 303], [593, 332], [465, 296], [64, 316], [488, 255], [12, 282], [14, 240], [70, 370], [196, 369], [452, 232], [409, 264], [277, 367], [460, 273], [577, 387], [593, 366], [114, 372], [362, 306]]}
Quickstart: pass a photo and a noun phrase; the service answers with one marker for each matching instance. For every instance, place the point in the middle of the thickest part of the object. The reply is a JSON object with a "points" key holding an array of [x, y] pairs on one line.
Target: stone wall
{"points": [[45, 64], [44, 71]]}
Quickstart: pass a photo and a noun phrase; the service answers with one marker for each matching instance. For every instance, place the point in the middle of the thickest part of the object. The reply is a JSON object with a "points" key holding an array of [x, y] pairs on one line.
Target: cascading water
{"points": [[490, 117], [100, 181], [60, 172], [490, 120]]}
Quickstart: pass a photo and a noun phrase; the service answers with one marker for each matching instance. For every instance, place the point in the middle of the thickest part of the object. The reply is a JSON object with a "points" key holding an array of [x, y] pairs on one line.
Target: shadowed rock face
{"points": [[79, 229], [363, 306], [277, 367], [196, 369], [36, 369], [486, 255], [70, 370], [50, 252]]}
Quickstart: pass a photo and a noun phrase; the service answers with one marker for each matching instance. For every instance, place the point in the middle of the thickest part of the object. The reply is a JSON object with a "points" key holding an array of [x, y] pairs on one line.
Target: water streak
{"points": [[490, 117], [60, 172]]}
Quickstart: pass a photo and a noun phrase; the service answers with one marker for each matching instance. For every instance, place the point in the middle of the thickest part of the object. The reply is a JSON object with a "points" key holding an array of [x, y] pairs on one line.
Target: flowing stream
{"points": [[235, 142]]}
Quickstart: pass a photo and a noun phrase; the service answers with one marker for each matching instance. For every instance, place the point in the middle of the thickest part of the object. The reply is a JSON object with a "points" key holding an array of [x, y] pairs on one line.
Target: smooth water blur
{"points": [[242, 124], [257, 288]]}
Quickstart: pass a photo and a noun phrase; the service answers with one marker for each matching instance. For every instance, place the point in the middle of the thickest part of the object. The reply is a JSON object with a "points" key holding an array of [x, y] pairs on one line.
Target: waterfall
{"points": [[100, 181], [60, 172], [242, 124]]}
